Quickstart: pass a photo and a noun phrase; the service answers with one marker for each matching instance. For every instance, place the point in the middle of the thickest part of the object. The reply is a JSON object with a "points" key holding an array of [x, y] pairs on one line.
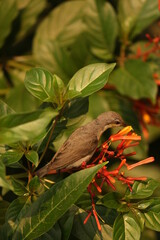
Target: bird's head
{"points": [[110, 119]]}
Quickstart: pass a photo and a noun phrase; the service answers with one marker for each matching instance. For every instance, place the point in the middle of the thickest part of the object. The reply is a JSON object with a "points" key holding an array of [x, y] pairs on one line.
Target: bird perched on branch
{"points": [[82, 143]]}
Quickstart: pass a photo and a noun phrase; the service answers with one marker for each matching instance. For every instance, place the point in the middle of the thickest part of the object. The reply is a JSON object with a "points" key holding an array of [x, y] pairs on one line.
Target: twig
{"points": [[49, 138]]}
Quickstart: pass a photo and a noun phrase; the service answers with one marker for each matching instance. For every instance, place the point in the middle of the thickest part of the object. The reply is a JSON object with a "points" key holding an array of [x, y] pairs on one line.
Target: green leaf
{"points": [[90, 79], [102, 28], [3, 181], [34, 184], [135, 80], [89, 230], [45, 212], [145, 204], [79, 52], [41, 84], [66, 27], [3, 208], [14, 212], [151, 213], [18, 187], [108, 215], [135, 16], [11, 156], [126, 228], [142, 190], [110, 200], [16, 208], [25, 126], [76, 108], [138, 217], [67, 227], [33, 157], [28, 17], [6, 18], [4, 109], [152, 220]]}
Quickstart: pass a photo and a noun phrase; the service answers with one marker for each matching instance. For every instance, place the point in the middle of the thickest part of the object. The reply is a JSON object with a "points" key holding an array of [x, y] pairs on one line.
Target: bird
{"points": [[82, 143]]}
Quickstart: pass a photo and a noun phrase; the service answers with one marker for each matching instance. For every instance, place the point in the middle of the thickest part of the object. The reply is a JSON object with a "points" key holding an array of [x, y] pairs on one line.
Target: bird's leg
{"points": [[52, 171]]}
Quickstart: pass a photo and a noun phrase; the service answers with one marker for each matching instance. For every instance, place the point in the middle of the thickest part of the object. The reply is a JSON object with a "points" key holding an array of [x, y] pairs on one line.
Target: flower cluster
{"points": [[148, 114], [152, 47], [128, 138]]}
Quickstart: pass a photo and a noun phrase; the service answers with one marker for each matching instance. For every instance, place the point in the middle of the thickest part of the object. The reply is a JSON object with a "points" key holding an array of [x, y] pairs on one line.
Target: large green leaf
{"points": [[90, 79], [135, 15], [102, 28], [135, 80], [45, 212], [152, 220], [25, 126], [29, 14], [55, 33], [45, 86], [20, 99], [126, 227], [66, 26], [8, 12], [142, 190], [80, 53]]}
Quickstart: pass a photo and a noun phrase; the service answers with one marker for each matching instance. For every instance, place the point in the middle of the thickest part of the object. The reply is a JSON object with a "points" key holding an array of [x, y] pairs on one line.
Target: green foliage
{"points": [[134, 215], [62, 66], [123, 78], [52, 205], [90, 79]]}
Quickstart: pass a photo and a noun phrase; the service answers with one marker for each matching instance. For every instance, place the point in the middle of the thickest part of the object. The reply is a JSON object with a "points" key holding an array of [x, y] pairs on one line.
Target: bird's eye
{"points": [[117, 121]]}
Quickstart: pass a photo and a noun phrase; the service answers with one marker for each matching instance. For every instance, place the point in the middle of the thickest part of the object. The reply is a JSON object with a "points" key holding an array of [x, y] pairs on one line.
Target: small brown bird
{"points": [[82, 143]]}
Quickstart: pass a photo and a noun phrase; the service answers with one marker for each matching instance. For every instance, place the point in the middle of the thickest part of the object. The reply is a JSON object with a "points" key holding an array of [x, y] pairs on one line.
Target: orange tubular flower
{"points": [[142, 162]]}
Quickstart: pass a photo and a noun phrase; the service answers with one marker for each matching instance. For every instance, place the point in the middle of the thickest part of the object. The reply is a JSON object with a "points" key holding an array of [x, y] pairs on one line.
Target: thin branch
{"points": [[49, 138]]}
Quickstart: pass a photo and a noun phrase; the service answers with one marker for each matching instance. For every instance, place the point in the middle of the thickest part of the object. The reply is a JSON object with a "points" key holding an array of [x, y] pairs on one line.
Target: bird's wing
{"points": [[79, 145]]}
